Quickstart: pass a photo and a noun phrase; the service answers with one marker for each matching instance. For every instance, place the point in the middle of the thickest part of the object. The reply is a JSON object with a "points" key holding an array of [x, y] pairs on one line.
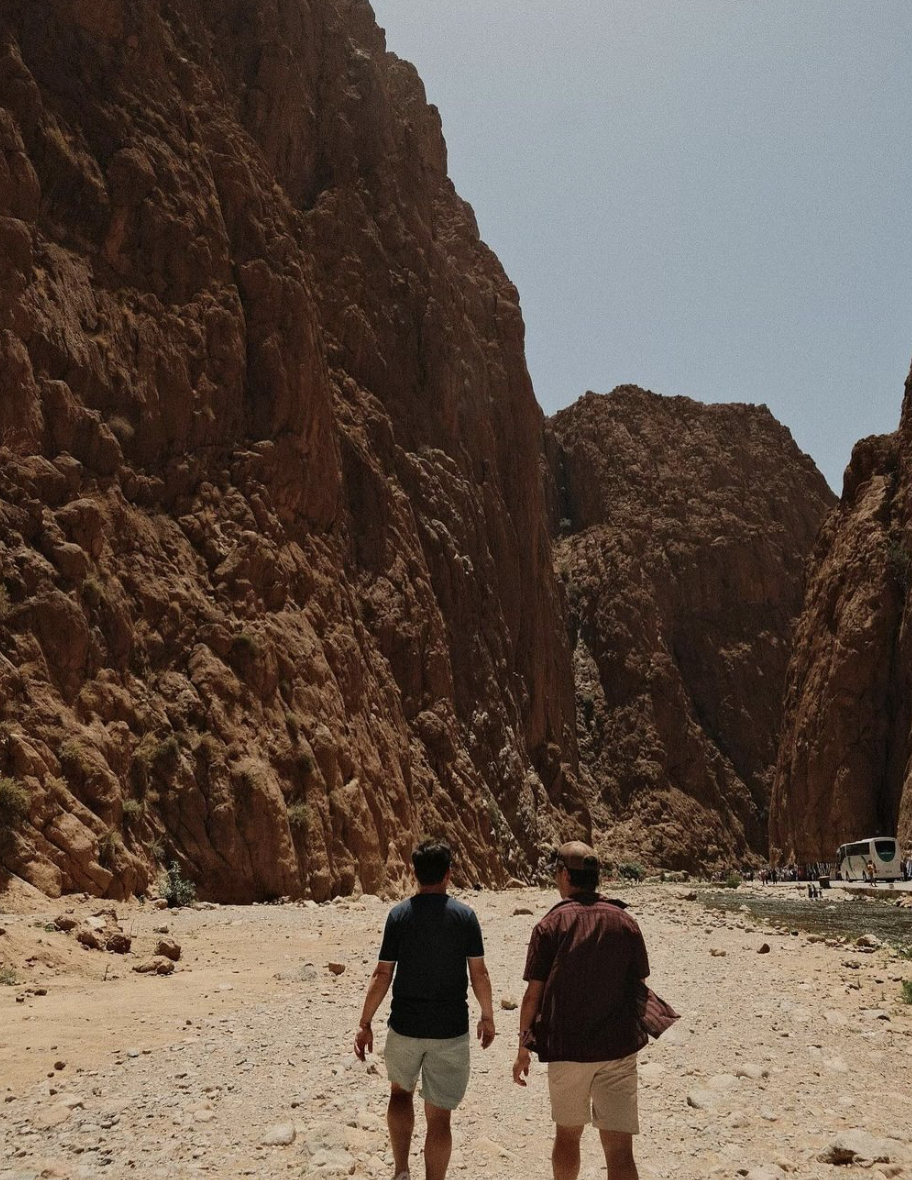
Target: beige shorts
{"points": [[442, 1065], [603, 1093]]}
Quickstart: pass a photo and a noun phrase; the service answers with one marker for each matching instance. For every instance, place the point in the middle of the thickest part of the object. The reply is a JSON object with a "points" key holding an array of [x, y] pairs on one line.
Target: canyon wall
{"points": [[843, 771], [682, 532], [277, 591]]}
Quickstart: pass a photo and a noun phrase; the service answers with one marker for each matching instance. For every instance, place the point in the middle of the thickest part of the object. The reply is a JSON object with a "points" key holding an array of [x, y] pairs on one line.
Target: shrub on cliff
{"points": [[14, 803], [108, 847], [302, 817], [133, 810], [175, 888], [631, 871], [906, 991]]}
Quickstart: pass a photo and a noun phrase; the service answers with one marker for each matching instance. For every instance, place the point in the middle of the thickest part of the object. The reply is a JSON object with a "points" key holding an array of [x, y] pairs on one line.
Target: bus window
{"points": [[885, 849]]}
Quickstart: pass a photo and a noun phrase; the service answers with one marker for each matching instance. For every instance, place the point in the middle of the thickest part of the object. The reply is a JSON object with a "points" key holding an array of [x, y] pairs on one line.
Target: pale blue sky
{"points": [[702, 197]]}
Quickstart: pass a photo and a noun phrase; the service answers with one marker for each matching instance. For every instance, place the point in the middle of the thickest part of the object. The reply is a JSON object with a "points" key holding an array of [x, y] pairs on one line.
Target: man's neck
{"points": [[439, 888]]}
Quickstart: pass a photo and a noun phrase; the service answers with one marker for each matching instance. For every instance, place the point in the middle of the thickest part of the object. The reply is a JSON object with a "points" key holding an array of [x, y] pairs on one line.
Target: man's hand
{"points": [[521, 1066], [364, 1041], [486, 1031]]}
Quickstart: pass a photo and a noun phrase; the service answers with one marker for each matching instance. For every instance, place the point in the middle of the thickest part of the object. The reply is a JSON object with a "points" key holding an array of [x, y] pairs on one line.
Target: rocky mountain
{"points": [[682, 536], [277, 590], [843, 767]]}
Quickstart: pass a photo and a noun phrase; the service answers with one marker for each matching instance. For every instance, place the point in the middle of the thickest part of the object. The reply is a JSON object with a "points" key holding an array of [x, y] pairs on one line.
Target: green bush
{"points": [[166, 753], [175, 888], [14, 803], [108, 847], [133, 810], [302, 817], [157, 850], [246, 645], [8, 977], [631, 871], [732, 881], [906, 991], [93, 591], [208, 747]]}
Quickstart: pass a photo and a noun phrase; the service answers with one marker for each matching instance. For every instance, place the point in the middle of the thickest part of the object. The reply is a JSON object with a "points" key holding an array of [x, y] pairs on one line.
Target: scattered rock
{"points": [[754, 1072], [335, 968], [763, 948], [703, 1099], [158, 965], [509, 1003], [168, 948], [857, 1146], [90, 937], [281, 1135], [52, 1116]]}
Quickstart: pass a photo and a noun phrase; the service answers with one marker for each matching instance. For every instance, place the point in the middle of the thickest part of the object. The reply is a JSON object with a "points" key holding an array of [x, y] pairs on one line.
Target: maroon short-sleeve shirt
{"points": [[590, 955]]}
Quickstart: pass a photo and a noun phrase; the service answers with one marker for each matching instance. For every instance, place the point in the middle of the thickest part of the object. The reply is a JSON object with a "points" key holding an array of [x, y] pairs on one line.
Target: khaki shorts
{"points": [[442, 1064], [603, 1093]]}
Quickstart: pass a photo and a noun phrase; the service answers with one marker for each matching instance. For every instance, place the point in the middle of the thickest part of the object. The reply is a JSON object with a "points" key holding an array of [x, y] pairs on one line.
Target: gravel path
{"points": [[778, 1053]]}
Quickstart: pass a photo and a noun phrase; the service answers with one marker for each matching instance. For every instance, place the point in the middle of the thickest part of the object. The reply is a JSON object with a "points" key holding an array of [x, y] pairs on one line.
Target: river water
{"points": [[834, 914]]}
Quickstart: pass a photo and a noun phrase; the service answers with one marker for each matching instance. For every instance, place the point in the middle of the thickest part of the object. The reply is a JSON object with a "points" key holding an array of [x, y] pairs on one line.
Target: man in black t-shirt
{"points": [[427, 942]]}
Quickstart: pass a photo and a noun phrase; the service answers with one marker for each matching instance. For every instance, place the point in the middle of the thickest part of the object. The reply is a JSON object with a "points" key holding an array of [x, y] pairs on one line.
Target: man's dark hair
{"points": [[586, 879], [431, 860]]}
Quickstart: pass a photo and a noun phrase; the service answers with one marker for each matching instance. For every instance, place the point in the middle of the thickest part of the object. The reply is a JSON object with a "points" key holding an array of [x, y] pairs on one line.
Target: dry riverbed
{"points": [[780, 1056]]}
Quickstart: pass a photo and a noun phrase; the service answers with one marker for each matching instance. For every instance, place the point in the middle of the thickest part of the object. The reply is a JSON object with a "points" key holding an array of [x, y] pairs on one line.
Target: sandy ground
{"points": [[777, 1054]]}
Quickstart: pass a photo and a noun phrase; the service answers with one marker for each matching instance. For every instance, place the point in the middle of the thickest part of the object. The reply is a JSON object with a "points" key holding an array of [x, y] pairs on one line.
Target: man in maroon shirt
{"points": [[585, 965]]}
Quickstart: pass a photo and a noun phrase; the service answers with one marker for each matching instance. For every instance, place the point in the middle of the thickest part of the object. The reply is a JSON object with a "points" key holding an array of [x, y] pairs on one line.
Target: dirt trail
{"points": [[776, 1056]]}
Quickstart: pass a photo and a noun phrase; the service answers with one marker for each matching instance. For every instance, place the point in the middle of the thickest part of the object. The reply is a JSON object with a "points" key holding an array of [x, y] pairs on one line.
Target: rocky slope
{"points": [[683, 535], [843, 766], [277, 586]]}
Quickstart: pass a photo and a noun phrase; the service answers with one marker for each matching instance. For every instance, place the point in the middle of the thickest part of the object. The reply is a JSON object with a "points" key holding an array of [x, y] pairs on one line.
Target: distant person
{"points": [[427, 943], [586, 1012], [870, 872]]}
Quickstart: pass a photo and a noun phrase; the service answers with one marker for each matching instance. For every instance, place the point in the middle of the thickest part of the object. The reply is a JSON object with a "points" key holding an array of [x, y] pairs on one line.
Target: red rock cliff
{"points": [[277, 585], [843, 771], [683, 534]]}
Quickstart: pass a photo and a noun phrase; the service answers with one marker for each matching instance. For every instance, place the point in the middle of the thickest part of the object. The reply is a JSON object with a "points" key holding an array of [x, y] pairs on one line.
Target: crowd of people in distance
{"points": [[810, 872]]}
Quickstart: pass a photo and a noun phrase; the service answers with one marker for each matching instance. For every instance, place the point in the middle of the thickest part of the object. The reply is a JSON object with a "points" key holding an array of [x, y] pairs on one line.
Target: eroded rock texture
{"points": [[843, 771], [683, 535], [277, 580]]}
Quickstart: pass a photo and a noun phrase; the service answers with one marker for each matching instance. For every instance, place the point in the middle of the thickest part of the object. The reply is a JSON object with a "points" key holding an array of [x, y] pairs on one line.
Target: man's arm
{"points": [[531, 1003], [481, 986], [376, 991]]}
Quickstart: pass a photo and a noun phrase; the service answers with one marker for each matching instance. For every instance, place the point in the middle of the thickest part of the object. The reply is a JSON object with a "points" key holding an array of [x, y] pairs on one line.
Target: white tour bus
{"points": [[882, 851]]}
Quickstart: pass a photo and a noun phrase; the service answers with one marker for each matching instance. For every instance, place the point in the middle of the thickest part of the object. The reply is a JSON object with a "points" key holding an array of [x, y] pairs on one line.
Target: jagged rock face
{"points": [[277, 580], [683, 534], [843, 770]]}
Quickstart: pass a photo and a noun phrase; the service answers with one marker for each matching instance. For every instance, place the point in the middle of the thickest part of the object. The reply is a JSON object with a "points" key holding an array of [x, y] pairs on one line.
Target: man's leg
{"points": [[400, 1117], [618, 1148], [438, 1143], [565, 1155]]}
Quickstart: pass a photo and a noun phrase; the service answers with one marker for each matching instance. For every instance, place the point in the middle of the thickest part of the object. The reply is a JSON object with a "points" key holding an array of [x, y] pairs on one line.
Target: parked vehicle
{"points": [[852, 860]]}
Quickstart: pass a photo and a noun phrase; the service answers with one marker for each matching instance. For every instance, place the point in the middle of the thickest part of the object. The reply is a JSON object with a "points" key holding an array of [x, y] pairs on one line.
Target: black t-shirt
{"points": [[429, 937]]}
